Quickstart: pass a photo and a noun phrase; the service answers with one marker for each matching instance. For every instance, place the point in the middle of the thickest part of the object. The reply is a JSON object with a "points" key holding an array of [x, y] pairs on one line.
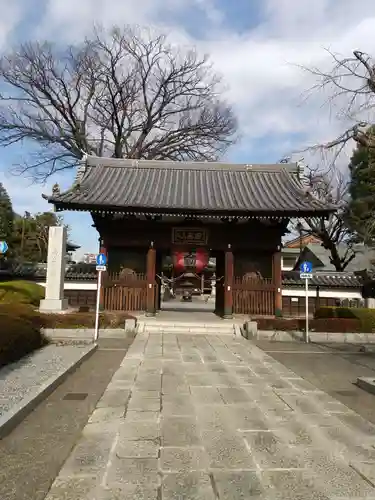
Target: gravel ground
{"points": [[19, 379]]}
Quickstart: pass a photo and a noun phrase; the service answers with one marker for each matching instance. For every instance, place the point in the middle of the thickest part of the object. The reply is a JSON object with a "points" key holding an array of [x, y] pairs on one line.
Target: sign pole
{"points": [[96, 331], [307, 310], [101, 261], [306, 273]]}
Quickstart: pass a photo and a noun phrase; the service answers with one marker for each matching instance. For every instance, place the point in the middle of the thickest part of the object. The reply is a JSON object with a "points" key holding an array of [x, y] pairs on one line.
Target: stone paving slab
{"points": [[215, 418]]}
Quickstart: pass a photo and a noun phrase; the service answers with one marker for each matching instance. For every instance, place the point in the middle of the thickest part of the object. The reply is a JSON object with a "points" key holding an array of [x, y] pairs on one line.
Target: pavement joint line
{"points": [[112, 349], [213, 485], [312, 352], [20, 411], [365, 478], [248, 447], [109, 463]]}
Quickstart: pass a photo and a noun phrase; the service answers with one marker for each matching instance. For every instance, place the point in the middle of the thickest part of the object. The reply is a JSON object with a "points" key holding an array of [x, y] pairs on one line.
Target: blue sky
{"points": [[257, 45]]}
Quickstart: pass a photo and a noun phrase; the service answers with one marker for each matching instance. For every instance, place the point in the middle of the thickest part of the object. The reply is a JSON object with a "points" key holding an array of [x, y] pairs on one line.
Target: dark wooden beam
{"points": [[228, 283], [277, 280], [151, 281]]}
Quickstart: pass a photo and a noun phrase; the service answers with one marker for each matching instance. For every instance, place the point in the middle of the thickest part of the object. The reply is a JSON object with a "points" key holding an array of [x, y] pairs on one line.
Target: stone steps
{"points": [[191, 328]]}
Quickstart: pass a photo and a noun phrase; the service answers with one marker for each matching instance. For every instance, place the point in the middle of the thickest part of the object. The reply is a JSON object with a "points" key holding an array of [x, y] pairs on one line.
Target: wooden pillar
{"points": [[277, 280], [317, 299], [228, 283], [151, 280], [103, 249]]}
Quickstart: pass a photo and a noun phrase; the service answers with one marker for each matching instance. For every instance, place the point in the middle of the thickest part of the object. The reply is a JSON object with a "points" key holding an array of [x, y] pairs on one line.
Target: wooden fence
{"points": [[254, 296], [78, 298], [125, 292]]}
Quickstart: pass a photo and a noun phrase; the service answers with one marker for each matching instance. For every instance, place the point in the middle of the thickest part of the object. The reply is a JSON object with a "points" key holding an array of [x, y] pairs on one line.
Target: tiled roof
{"points": [[87, 272], [364, 257], [323, 279], [155, 185]]}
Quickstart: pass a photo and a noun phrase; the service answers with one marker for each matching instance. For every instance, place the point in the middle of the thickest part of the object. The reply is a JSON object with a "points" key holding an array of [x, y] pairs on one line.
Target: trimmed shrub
{"points": [[18, 337], [84, 320], [365, 316], [325, 312], [25, 312], [324, 324], [21, 292], [336, 325], [278, 324]]}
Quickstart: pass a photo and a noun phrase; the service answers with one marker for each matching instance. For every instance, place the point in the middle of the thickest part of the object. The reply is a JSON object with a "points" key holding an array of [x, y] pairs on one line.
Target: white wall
{"points": [[286, 292], [288, 263], [329, 294]]}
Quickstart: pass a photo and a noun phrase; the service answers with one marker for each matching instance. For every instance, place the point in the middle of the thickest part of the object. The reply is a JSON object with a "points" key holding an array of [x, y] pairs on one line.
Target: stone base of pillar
{"points": [[228, 316], [53, 305], [150, 314]]}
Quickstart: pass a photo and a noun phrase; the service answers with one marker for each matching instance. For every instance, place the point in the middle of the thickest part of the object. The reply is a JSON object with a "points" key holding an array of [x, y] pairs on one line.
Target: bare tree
{"points": [[124, 93], [350, 83], [331, 186]]}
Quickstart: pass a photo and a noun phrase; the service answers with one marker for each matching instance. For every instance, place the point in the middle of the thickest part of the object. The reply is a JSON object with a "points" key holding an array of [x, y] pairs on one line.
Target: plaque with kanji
{"points": [[189, 236]]}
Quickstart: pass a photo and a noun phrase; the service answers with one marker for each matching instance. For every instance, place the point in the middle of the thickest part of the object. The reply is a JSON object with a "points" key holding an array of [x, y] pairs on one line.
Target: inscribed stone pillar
{"points": [[54, 298]]}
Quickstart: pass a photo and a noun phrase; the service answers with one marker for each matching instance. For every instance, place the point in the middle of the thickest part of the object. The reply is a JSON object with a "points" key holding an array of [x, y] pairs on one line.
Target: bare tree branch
{"points": [[126, 93], [331, 186], [350, 83]]}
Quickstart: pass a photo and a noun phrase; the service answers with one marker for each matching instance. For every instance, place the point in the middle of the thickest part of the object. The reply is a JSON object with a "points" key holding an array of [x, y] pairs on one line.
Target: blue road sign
{"points": [[305, 267], [3, 247], [101, 259]]}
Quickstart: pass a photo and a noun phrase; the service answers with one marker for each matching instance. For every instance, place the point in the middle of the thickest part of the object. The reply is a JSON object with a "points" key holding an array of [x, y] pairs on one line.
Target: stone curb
{"points": [[367, 384], [83, 333], [294, 336], [20, 411]]}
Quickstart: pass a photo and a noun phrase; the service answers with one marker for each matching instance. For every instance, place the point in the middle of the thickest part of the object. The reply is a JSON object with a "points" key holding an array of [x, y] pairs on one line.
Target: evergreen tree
{"points": [[362, 193], [6, 215], [6, 219]]}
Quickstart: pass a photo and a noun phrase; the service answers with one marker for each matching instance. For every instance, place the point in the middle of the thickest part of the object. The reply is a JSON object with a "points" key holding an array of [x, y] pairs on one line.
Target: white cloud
{"points": [[11, 14], [259, 65]]}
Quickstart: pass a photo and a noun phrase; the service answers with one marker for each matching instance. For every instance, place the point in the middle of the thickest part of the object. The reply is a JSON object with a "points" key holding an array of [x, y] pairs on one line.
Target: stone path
{"points": [[210, 417]]}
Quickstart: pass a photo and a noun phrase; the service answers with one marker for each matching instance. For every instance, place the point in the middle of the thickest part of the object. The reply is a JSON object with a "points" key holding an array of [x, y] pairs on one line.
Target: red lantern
{"points": [[201, 260], [179, 261], [187, 260]]}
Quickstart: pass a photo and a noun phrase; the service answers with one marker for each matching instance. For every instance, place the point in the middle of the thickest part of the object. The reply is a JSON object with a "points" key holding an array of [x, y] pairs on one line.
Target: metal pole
{"points": [[307, 310], [96, 331]]}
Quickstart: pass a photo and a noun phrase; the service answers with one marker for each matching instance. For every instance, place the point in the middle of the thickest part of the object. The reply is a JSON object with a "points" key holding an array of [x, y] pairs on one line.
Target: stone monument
{"points": [[54, 298]]}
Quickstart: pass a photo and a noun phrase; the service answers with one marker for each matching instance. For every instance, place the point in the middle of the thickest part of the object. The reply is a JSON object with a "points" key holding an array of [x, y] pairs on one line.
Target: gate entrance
{"points": [[186, 280], [237, 212]]}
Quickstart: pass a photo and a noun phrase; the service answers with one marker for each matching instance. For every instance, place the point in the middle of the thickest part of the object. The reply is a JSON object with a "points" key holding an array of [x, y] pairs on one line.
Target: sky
{"points": [[259, 46]]}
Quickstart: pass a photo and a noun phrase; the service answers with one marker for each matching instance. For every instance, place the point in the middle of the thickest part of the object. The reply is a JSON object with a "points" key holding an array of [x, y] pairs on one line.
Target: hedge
{"points": [[21, 292], [21, 326], [365, 316], [19, 335], [323, 324], [84, 320], [77, 320], [26, 312]]}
